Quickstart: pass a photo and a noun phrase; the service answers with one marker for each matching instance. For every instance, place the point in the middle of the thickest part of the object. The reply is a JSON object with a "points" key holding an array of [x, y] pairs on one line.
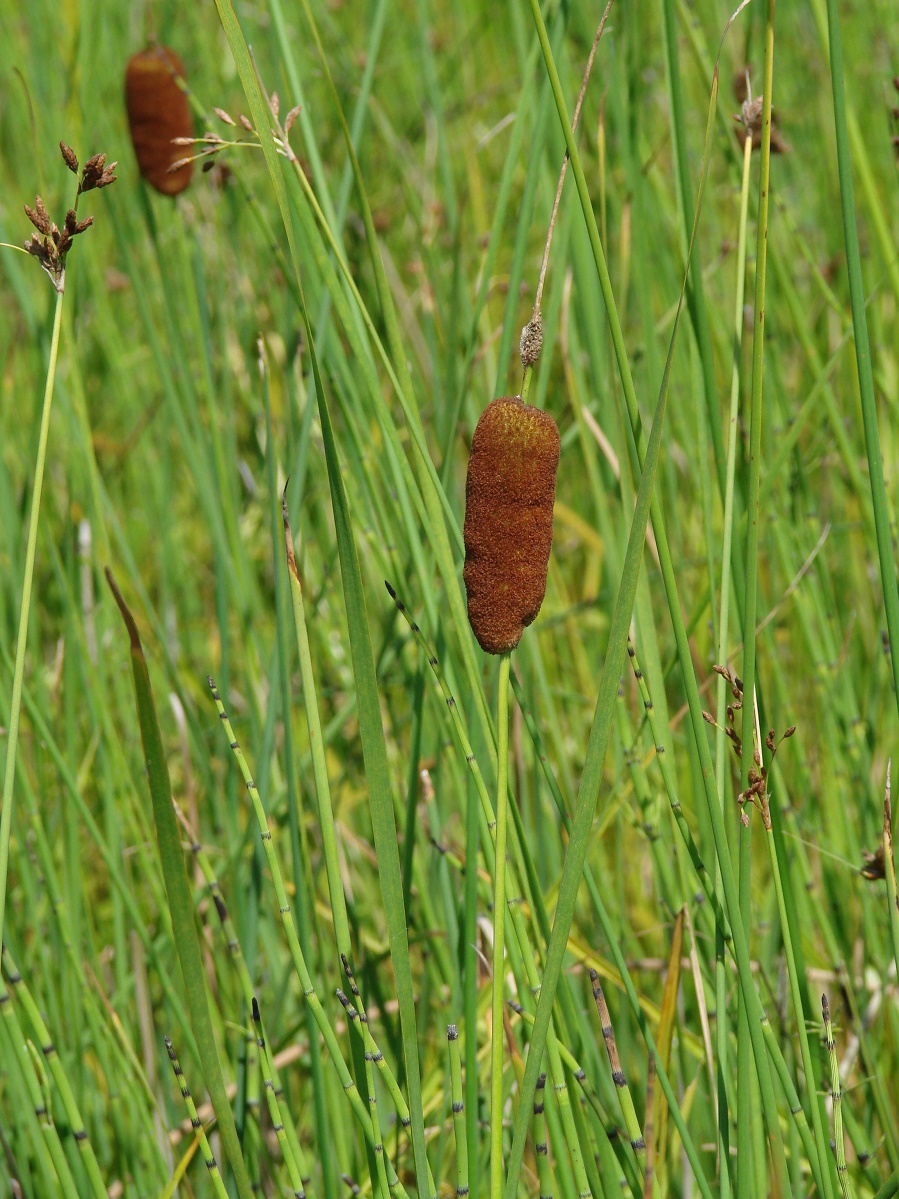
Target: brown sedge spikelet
{"points": [[158, 112], [509, 496]]}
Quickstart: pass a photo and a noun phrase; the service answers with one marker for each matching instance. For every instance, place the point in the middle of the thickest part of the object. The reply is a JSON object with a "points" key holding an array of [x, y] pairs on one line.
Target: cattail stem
{"points": [[499, 930]]}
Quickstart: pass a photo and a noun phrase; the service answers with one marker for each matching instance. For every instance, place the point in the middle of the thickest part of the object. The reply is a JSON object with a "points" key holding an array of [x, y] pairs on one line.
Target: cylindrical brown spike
{"points": [[157, 112], [509, 496]]}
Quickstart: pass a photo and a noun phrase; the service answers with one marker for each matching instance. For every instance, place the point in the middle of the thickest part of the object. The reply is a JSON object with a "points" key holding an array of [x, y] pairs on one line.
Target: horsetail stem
{"points": [[30, 1067], [293, 942], [356, 1018], [51, 1057], [274, 1107], [541, 1148], [458, 1102], [628, 1111], [196, 1124], [836, 1093], [232, 944]]}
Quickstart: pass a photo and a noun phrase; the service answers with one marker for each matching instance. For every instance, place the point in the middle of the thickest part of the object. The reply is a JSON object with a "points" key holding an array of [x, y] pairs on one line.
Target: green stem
{"points": [[862, 347], [721, 969], [889, 867], [458, 1100], [863, 354], [836, 1091], [317, 748], [499, 930], [15, 711], [747, 1024]]}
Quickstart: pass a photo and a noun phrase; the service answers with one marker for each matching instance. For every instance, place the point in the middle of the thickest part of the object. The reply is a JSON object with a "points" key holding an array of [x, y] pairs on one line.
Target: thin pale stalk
{"points": [[15, 707], [747, 1030], [722, 1031]]}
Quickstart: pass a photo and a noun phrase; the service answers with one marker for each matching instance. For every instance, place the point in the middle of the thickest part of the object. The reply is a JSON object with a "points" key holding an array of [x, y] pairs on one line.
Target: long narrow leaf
{"points": [[174, 872]]}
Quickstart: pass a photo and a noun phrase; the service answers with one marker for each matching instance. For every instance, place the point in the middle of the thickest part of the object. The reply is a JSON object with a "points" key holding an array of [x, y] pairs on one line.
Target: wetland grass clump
{"points": [[509, 496], [158, 113], [404, 945]]}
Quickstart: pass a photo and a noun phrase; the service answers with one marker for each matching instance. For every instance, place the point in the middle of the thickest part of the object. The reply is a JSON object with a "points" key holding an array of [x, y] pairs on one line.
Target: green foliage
{"points": [[325, 318]]}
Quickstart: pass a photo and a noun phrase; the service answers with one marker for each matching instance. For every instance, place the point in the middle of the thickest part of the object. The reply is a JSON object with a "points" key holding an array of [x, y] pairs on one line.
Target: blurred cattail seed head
{"points": [[509, 496], [158, 114]]}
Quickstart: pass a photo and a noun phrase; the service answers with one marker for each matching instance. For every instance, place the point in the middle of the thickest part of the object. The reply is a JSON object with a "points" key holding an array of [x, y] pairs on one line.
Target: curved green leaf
{"points": [[177, 889]]}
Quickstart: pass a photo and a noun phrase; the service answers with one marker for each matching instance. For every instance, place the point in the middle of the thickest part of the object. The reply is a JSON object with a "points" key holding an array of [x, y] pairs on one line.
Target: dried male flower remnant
{"points": [[509, 496], [158, 112]]}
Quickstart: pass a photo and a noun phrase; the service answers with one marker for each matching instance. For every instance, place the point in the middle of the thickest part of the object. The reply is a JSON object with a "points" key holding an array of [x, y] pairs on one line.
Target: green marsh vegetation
{"points": [[250, 830]]}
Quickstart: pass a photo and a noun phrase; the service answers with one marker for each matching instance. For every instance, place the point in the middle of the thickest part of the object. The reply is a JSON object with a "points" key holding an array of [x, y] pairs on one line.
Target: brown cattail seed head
{"points": [[531, 341], [157, 112], [509, 496]]}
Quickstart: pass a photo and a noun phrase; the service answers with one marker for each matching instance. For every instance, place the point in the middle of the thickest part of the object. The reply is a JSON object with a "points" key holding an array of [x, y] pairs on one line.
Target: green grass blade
{"points": [[181, 906], [873, 449]]}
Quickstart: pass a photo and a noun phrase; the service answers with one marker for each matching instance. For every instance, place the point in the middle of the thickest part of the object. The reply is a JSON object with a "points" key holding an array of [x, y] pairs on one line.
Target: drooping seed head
{"points": [[158, 111], [509, 496]]}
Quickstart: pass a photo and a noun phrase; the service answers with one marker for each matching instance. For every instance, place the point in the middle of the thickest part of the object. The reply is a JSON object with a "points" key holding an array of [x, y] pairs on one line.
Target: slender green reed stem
{"points": [[862, 346], [499, 931], [836, 1093], [889, 1189], [458, 1102], [196, 1124], [722, 1037], [747, 1016], [317, 746], [15, 707], [889, 867]]}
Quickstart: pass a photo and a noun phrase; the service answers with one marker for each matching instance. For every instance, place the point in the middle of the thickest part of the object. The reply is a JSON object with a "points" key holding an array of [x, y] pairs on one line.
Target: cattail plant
{"points": [[158, 115]]}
